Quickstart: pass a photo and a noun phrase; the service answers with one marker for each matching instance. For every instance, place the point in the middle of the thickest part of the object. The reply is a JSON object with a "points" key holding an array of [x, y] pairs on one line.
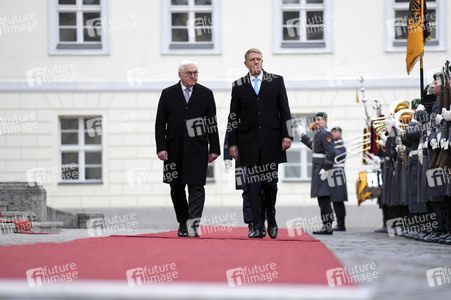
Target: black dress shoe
{"points": [[323, 231], [381, 230], [251, 230], [195, 233], [272, 232], [258, 234], [339, 228], [183, 230]]}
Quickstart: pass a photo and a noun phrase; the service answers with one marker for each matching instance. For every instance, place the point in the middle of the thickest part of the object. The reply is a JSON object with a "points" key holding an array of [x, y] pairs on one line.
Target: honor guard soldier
{"points": [[323, 160], [339, 191]]}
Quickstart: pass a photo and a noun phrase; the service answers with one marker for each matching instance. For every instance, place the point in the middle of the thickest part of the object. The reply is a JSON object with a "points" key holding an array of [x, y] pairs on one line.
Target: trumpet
{"points": [[379, 125], [355, 145]]}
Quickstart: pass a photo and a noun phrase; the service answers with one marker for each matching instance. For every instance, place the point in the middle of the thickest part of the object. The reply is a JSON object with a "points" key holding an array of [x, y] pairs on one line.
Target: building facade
{"points": [[81, 79]]}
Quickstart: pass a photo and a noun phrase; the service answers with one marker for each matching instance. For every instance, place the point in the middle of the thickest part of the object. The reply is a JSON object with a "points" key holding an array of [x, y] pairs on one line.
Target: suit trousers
{"points": [[326, 211], [191, 209], [262, 177]]}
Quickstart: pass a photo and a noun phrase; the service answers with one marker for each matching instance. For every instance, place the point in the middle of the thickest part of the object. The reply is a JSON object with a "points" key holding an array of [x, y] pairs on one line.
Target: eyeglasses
{"points": [[191, 73]]}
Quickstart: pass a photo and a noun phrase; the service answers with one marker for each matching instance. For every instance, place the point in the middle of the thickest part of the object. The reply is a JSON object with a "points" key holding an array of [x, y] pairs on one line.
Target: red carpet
{"points": [[217, 256]]}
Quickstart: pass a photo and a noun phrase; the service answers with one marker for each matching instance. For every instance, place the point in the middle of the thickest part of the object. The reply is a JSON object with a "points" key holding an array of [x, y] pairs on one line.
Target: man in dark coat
{"points": [[185, 127], [259, 114], [323, 160]]}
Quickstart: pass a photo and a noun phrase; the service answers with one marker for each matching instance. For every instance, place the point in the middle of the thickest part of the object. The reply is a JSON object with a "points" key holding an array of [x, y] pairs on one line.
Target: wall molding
{"points": [[307, 84]]}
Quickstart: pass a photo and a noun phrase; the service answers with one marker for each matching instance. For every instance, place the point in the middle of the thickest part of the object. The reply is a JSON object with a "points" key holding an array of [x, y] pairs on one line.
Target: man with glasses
{"points": [[187, 140]]}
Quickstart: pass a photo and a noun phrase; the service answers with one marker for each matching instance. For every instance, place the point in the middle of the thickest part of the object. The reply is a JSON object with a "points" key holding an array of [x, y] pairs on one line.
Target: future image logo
{"points": [[437, 177], [255, 274], [438, 276], [336, 177], [395, 227]]}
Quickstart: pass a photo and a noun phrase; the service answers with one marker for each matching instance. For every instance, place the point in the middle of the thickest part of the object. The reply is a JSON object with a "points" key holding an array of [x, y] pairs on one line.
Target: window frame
{"points": [[391, 45], [167, 9], [306, 48], [82, 48], [211, 179], [81, 149]]}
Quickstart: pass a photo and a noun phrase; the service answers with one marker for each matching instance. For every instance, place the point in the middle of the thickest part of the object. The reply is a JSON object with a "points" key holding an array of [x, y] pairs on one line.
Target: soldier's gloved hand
{"points": [[446, 114], [299, 129], [434, 144], [438, 119], [400, 148], [383, 140], [420, 154], [389, 124], [425, 145], [323, 174], [444, 144], [420, 107], [227, 165]]}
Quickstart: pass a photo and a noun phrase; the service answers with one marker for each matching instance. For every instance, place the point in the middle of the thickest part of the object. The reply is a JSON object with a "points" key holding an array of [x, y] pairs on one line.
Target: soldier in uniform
{"points": [[323, 160], [339, 191]]}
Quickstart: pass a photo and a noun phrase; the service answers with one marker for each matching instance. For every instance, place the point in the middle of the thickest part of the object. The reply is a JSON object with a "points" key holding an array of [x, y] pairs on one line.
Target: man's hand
{"points": [[286, 144], [212, 157], [233, 150], [227, 165], [322, 174], [163, 155]]}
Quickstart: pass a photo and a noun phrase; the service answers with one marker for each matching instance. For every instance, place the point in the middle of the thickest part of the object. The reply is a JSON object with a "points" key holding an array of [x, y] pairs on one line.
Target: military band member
{"points": [[323, 160]]}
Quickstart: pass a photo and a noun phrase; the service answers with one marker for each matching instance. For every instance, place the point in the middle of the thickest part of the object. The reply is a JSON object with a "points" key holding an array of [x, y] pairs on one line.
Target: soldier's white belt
{"points": [[413, 152], [319, 155], [339, 165]]}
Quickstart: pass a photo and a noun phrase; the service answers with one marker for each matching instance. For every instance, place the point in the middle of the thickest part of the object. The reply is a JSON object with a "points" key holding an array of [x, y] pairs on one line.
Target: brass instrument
{"points": [[354, 146], [378, 124], [398, 105], [403, 117]]}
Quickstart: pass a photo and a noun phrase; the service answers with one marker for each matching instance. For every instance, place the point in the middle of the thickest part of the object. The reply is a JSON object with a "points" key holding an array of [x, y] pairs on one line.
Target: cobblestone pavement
{"points": [[400, 264]]}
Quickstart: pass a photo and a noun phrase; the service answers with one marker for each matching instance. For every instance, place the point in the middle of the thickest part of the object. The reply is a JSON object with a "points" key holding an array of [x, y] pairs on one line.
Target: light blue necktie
{"points": [[256, 86], [187, 94]]}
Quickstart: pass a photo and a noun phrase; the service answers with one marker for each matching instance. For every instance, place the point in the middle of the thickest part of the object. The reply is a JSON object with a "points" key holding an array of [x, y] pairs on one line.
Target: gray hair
{"points": [[185, 63], [252, 50]]}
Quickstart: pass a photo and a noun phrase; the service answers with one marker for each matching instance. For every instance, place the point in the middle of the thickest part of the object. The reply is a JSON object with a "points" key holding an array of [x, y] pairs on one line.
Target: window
{"points": [[299, 156], [397, 20], [80, 149], [190, 26], [76, 26], [211, 172], [303, 26]]}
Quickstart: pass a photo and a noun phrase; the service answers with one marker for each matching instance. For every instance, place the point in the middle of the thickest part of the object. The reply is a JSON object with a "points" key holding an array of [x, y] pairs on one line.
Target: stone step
{"points": [[7, 228], [18, 216], [47, 227], [4, 206], [36, 227]]}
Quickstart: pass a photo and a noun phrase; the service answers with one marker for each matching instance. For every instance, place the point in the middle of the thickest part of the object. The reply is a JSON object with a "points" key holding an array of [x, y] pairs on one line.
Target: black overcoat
{"points": [[188, 132], [258, 123]]}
